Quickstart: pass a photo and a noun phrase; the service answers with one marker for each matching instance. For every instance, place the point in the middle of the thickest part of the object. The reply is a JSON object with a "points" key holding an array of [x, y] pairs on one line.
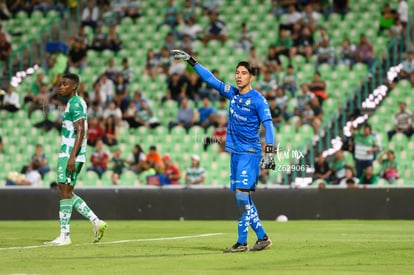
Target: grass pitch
{"points": [[195, 247]]}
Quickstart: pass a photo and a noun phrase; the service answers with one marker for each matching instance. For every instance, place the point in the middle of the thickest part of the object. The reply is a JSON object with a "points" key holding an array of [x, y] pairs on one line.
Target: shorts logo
{"points": [[245, 181]]}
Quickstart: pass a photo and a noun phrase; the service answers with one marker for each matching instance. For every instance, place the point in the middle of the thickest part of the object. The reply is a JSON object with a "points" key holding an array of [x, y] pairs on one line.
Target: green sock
{"points": [[65, 211], [80, 205]]}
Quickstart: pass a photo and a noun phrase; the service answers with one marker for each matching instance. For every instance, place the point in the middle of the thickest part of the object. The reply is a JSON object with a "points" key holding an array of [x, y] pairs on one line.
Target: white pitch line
{"points": [[117, 242]]}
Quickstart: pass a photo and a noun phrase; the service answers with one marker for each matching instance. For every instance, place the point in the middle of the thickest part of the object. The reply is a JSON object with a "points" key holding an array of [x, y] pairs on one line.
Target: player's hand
{"points": [[182, 55], [71, 166], [268, 161], [179, 54]]}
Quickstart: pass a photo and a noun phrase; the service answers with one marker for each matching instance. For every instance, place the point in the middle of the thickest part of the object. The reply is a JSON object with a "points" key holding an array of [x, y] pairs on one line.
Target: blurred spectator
{"points": [[146, 117], [77, 56], [386, 19], [303, 45], [282, 101], [5, 49], [90, 15], [365, 146], [110, 128], [317, 113], [126, 8], [207, 90], [48, 5], [325, 53], [307, 116], [290, 81], [169, 42], [290, 18], [82, 37], [177, 67], [7, 35], [95, 110], [397, 28], [82, 92], [95, 131], [188, 11], [153, 160], [268, 85], [192, 29], [322, 171], [99, 41], [276, 112], [121, 92], [192, 87], [255, 60], [171, 13], [349, 179], [171, 171], [341, 7], [318, 87], [195, 173], [407, 69], [113, 110], [338, 167], [364, 51], [11, 102], [151, 64], [130, 115], [185, 116], [39, 160], [402, 11], [40, 101], [389, 166], [222, 109], [108, 15], [164, 60], [205, 114], [113, 41], [309, 18], [136, 159], [368, 177], [99, 159], [31, 177], [283, 44], [106, 89], [219, 134], [175, 88], [126, 72], [347, 53], [118, 164], [210, 6], [276, 9], [245, 39], [403, 121], [216, 30], [35, 88], [304, 97]]}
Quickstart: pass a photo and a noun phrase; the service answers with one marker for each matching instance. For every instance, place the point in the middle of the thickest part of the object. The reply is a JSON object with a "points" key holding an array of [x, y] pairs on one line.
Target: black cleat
{"points": [[262, 244], [237, 247]]}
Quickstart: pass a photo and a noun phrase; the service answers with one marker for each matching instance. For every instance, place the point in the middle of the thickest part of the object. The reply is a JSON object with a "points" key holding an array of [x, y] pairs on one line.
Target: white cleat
{"points": [[99, 230], [59, 241]]}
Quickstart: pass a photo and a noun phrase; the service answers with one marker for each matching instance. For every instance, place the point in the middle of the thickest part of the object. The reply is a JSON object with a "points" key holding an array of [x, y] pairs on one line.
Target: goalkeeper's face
{"points": [[243, 78]]}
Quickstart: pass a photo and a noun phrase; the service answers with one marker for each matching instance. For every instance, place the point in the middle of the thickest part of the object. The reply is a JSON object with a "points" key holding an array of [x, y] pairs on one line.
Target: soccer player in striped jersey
{"points": [[71, 159], [247, 111]]}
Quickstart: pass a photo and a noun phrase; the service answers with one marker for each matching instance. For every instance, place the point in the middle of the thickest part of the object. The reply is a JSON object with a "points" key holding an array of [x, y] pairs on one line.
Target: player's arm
{"points": [[268, 161], [205, 74], [80, 131]]}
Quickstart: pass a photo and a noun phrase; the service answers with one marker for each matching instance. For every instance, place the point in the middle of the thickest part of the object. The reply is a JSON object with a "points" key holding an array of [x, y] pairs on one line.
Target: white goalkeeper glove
{"points": [[268, 161], [179, 54]]}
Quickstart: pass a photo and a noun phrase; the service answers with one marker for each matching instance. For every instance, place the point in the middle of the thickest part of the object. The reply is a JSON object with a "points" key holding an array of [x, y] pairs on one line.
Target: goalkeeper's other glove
{"points": [[268, 161], [179, 54]]}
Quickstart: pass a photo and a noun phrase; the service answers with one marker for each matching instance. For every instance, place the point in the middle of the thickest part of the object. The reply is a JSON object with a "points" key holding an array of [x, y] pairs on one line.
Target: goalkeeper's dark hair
{"points": [[252, 70], [73, 77]]}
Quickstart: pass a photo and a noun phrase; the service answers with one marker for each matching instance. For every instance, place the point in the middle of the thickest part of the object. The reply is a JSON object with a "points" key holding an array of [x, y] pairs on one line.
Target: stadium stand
{"points": [[343, 86]]}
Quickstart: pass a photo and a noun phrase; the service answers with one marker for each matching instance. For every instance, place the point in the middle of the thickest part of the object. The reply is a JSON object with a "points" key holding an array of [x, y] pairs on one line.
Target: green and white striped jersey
{"points": [[75, 109]]}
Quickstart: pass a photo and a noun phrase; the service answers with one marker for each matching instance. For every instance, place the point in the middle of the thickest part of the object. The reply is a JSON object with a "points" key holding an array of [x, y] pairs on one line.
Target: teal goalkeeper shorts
{"points": [[63, 176]]}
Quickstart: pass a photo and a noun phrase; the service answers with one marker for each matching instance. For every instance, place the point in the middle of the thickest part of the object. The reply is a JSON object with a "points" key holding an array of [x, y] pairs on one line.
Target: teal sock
{"points": [[80, 205], [65, 212]]}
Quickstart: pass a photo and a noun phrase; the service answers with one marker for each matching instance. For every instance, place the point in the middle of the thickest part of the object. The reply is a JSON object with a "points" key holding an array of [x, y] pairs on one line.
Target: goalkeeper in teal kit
{"points": [[247, 111]]}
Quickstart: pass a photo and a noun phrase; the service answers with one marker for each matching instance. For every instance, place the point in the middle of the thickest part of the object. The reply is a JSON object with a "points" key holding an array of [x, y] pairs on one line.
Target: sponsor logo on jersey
{"points": [[252, 150], [227, 88], [248, 101], [245, 109]]}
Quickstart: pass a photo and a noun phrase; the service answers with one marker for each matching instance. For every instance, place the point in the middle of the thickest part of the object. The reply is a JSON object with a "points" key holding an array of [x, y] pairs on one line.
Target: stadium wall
{"points": [[214, 204]]}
